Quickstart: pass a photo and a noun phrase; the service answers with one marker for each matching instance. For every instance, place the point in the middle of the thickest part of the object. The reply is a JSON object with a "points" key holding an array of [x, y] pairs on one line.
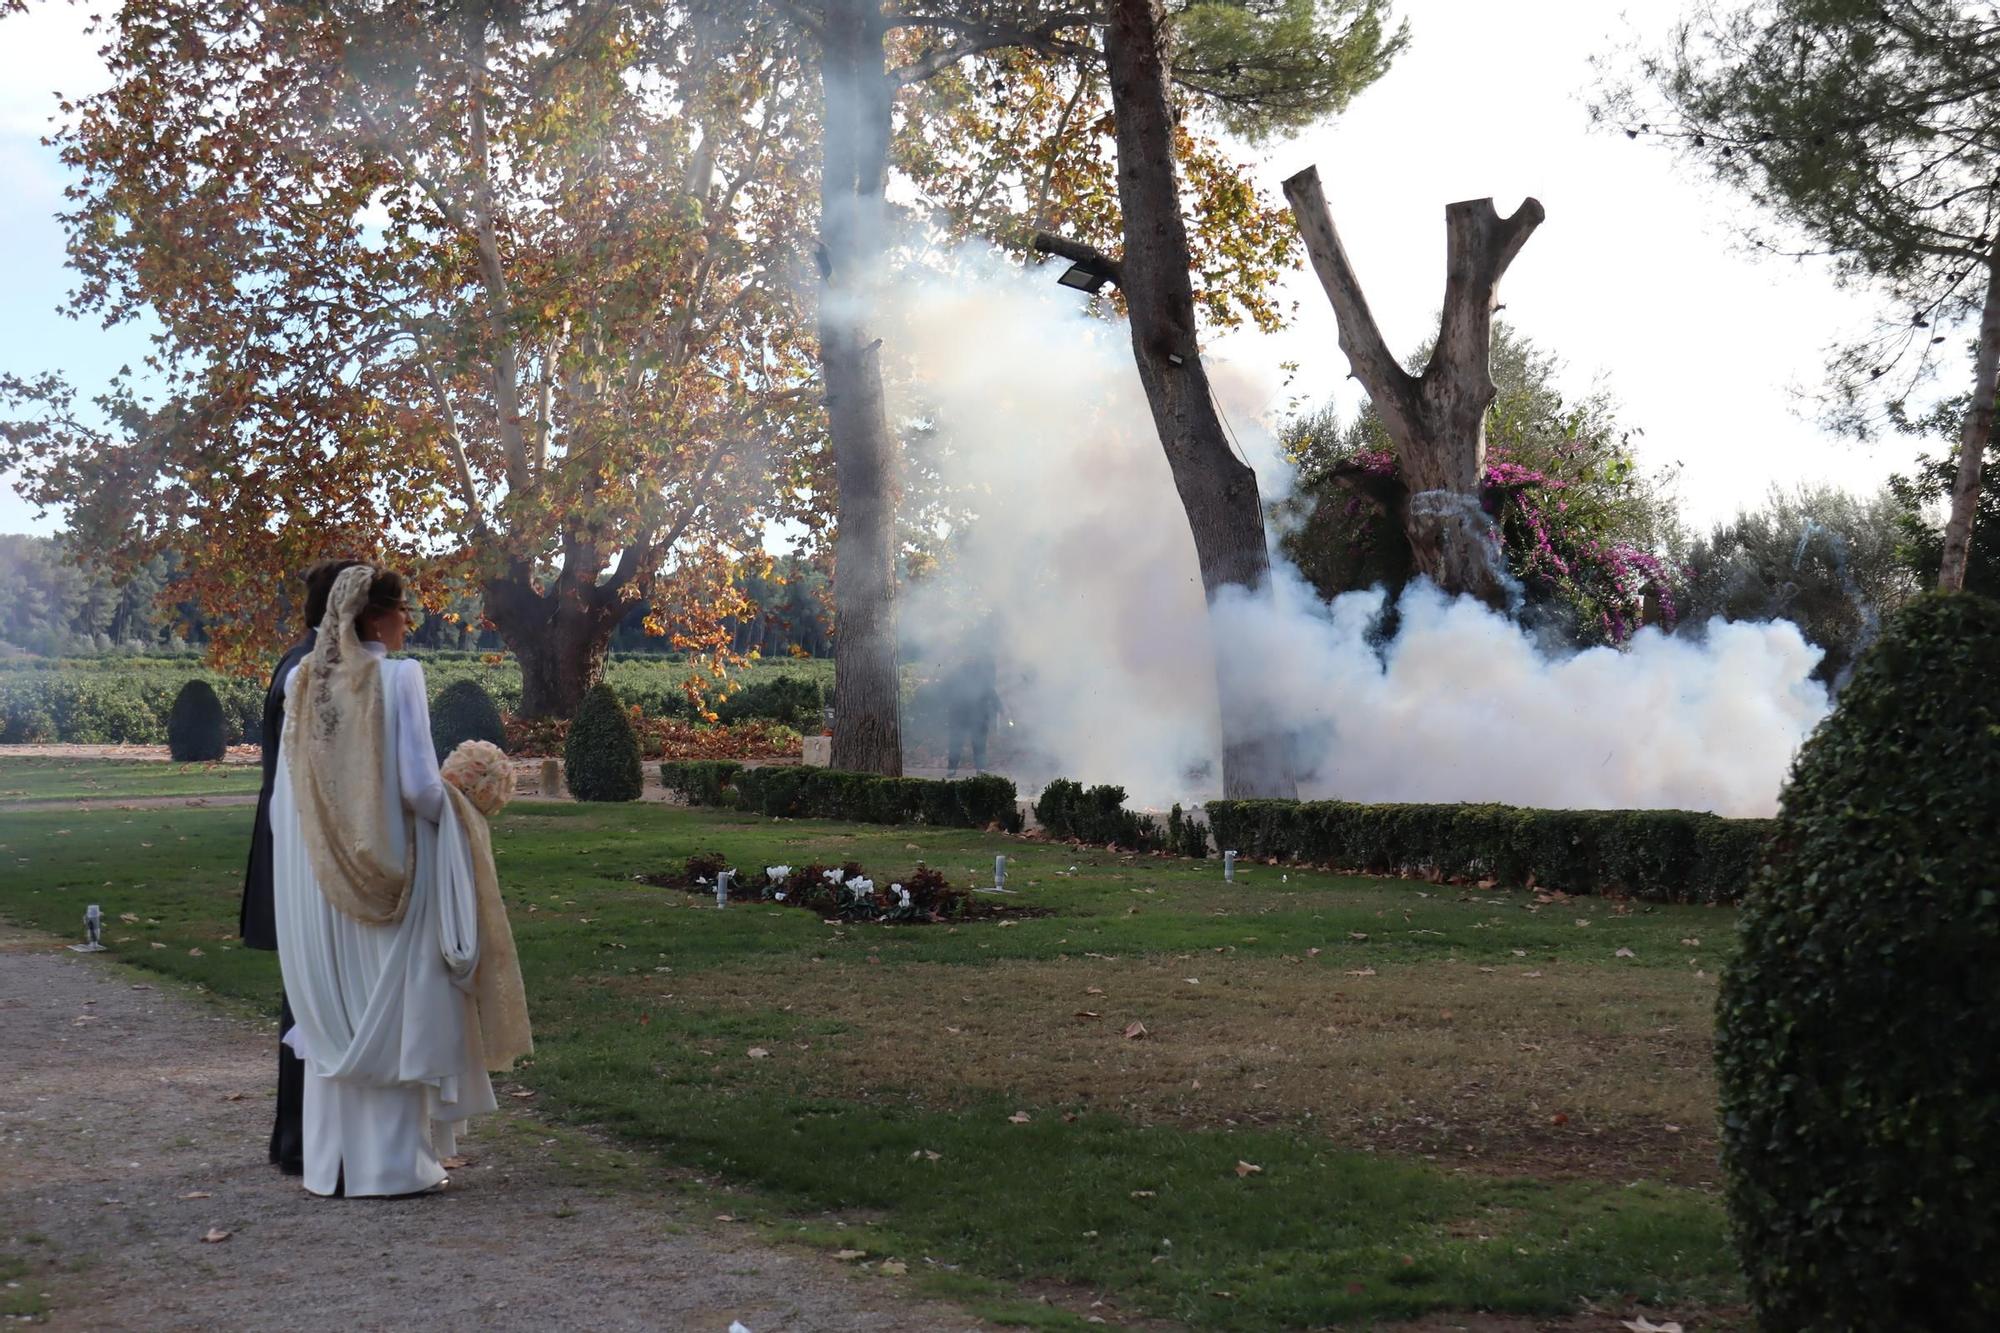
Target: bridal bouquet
{"points": [[480, 770]]}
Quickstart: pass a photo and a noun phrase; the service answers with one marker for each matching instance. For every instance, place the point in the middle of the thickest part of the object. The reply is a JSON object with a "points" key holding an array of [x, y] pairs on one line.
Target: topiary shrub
{"points": [[601, 754], [1858, 1028], [464, 711], [194, 725]]}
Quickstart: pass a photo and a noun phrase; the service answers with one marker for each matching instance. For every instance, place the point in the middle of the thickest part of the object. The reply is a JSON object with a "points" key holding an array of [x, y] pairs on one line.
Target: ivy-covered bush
{"points": [[601, 753], [464, 711], [796, 701], [790, 791], [1659, 855], [1858, 1044], [1097, 814], [195, 726]]}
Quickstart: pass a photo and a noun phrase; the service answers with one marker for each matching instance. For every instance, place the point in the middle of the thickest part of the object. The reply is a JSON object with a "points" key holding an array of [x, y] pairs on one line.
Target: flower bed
{"points": [[843, 893]]}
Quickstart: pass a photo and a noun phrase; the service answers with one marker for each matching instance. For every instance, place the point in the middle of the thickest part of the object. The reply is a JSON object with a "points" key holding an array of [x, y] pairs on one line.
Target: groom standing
{"points": [[258, 924]]}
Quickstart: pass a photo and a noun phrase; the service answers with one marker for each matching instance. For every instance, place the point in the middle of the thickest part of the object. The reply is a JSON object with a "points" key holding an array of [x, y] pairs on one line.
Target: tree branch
{"points": [[1392, 388], [456, 442], [1079, 253]]}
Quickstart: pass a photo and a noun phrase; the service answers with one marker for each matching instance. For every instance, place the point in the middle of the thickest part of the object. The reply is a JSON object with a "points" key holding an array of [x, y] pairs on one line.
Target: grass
{"points": [[33, 778], [1435, 1127]]}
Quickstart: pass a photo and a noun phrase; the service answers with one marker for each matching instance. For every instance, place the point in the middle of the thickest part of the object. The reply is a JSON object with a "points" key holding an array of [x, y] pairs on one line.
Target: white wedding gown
{"points": [[385, 1023]]}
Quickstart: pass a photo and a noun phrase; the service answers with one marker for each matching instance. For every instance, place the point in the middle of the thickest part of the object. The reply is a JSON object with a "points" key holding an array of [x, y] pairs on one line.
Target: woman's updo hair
{"points": [[385, 594]]}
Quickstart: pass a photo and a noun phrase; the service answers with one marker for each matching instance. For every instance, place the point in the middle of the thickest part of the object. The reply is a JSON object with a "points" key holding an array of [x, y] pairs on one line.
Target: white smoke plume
{"points": [[1079, 574]]}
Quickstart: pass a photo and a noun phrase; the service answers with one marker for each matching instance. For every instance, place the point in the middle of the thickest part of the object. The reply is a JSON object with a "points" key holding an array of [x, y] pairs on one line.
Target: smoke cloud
{"points": [[1077, 573]]}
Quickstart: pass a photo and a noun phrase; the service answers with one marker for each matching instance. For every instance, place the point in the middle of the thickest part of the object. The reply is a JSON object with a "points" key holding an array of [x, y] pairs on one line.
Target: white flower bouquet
{"points": [[480, 770]]}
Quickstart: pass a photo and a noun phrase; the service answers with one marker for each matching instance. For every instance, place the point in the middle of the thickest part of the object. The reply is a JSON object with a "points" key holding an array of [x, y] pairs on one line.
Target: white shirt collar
{"points": [[375, 647]]}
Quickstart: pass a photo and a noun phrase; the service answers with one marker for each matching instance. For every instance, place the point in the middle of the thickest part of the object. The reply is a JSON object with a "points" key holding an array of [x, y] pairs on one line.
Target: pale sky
{"points": [[1636, 279]]}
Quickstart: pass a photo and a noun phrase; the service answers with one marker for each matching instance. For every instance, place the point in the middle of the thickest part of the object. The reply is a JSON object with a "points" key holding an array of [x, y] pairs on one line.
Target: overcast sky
{"points": [[1637, 279]]}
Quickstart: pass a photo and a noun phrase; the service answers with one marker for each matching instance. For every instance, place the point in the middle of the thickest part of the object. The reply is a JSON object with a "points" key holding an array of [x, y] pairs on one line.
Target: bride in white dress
{"points": [[378, 909]]}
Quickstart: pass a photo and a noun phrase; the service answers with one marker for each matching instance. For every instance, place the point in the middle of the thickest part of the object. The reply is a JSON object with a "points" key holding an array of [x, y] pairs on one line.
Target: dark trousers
{"points": [[288, 1138], [962, 738]]}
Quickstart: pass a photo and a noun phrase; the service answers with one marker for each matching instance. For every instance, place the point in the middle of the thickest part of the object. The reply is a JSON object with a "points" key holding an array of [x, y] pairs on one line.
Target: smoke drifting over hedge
{"points": [[1079, 571]]}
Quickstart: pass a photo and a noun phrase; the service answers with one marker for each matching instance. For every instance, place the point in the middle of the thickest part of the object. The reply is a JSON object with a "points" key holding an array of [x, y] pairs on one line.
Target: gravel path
{"points": [[133, 1121]]}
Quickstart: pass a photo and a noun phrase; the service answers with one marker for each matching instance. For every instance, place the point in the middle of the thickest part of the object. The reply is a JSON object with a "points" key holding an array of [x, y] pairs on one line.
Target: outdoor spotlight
{"points": [[1084, 277]]}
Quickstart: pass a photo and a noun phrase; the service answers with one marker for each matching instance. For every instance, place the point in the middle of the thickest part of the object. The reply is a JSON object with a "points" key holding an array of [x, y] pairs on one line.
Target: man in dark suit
{"points": [[258, 922]]}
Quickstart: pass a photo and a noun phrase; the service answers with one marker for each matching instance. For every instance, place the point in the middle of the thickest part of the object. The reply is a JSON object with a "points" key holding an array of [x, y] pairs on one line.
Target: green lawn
{"points": [[1453, 1099], [29, 778]]}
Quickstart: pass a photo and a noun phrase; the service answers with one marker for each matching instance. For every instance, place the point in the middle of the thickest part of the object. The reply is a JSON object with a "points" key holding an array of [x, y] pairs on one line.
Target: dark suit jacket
{"points": [[258, 923]]}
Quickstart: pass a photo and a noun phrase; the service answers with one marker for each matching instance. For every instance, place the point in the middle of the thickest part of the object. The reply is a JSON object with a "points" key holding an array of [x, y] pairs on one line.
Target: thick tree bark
{"points": [[1218, 491], [559, 637], [867, 733], [1976, 434], [1437, 419]]}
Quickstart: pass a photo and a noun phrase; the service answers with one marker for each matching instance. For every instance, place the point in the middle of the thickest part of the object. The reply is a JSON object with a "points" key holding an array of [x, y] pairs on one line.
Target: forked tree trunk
{"points": [[1218, 491], [1438, 419], [867, 733], [1975, 436], [559, 637]]}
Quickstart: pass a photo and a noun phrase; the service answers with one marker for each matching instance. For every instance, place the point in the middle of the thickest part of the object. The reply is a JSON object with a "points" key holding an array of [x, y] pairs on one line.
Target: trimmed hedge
{"points": [[791, 791], [1858, 1033], [464, 711], [195, 725], [701, 781], [1677, 856], [601, 753], [1097, 814]]}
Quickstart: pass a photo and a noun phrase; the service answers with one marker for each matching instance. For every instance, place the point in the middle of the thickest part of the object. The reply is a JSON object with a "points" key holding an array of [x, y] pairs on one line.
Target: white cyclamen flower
{"points": [[835, 876], [777, 873]]}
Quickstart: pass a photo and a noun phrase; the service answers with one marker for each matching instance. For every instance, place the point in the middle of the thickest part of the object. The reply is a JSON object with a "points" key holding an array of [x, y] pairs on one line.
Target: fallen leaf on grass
{"points": [[197, 1194], [1093, 990], [454, 1163], [523, 1093], [927, 1155], [1559, 1119], [216, 1235], [893, 1267], [1312, 953], [1249, 1169], [1087, 1013], [849, 1256], [1357, 934], [232, 1096], [195, 953], [1362, 972], [157, 945], [759, 1053], [1692, 942], [1625, 953], [130, 918], [1135, 1032], [1645, 1325], [1019, 1118], [725, 1217]]}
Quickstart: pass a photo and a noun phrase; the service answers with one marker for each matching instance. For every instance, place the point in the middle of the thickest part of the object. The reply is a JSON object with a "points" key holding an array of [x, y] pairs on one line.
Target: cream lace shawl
{"points": [[334, 749]]}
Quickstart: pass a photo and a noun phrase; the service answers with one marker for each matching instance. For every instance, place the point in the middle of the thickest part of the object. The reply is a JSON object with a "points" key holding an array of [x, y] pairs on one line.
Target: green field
{"points": [[125, 701], [1351, 1101]]}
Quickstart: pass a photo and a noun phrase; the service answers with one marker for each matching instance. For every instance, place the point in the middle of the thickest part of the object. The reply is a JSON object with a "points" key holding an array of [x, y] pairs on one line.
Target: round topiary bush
{"points": [[194, 724], [601, 756], [1858, 1043], [464, 711]]}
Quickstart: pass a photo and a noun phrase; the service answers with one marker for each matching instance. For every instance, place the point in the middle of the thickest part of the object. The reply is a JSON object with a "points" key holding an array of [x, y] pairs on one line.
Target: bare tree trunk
{"points": [[1437, 419], [1218, 490], [1975, 436], [867, 732], [559, 637]]}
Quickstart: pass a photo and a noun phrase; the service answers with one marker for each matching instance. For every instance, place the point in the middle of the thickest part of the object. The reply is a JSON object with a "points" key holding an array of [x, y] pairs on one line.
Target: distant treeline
{"points": [[57, 602]]}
